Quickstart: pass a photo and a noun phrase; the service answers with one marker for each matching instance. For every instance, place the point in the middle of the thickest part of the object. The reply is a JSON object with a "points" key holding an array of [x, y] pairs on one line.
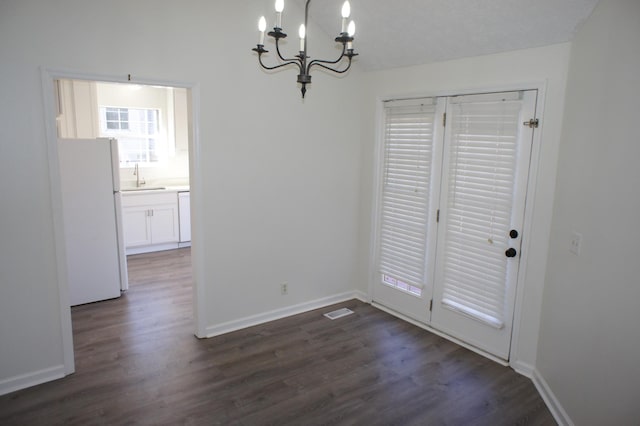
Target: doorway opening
{"points": [[152, 125], [147, 168]]}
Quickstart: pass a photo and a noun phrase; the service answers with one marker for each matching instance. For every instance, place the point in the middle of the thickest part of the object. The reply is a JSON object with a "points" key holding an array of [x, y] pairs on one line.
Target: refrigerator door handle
{"points": [[115, 164], [122, 254]]}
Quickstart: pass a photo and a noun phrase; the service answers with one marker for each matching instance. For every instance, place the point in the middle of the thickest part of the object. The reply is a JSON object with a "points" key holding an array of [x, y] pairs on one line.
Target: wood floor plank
{"points": [[137, 362]]}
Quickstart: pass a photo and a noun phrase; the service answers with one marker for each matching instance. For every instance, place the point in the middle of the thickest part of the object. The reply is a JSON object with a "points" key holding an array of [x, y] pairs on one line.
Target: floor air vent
{"points": [[338, 314]]}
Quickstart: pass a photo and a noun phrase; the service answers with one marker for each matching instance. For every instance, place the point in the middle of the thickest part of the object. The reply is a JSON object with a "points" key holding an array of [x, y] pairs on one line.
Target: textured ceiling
{"points": [[396, 33]]}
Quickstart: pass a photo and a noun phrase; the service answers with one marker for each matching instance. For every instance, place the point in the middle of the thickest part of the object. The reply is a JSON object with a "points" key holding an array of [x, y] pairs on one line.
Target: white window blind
{"points": [[482, 160], [408, 151]]}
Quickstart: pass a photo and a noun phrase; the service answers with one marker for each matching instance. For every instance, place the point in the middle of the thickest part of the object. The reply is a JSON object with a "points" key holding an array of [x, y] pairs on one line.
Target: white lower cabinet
{"points": [[164, 224], [150, 221], [137, 226]]}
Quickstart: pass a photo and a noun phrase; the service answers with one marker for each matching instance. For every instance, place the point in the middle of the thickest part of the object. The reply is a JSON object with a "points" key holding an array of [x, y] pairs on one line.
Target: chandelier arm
{"points": [[289, 62], [318, 63]]}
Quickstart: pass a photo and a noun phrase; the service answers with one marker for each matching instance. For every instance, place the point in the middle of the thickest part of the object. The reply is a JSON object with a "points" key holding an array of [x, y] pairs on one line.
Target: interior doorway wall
{"points": [[49, 77]]}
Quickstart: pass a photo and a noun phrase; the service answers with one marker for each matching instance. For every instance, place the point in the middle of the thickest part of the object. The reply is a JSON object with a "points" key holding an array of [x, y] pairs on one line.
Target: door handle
{"points": [[511, 252], [513, 233]]}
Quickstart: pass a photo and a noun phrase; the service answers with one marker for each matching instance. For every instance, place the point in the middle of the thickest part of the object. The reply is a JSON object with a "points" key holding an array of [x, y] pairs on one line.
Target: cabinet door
{"points": [[164, 224], [137, 231]]}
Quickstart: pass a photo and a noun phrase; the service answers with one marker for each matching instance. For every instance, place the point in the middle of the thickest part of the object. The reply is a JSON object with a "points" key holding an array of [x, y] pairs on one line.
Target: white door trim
{"points": [[48, 76]]}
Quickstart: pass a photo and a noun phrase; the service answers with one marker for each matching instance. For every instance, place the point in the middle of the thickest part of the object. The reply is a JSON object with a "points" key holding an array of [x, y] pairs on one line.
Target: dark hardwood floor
{"points": [[137, 362]]}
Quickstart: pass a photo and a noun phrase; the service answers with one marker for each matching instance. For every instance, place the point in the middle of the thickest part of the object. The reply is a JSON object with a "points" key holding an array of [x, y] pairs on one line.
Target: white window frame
{"points": [[128, 136]]}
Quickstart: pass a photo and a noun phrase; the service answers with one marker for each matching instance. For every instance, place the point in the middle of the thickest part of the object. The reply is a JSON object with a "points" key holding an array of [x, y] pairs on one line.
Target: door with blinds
{"points": [[408, 205], [475, 199]]}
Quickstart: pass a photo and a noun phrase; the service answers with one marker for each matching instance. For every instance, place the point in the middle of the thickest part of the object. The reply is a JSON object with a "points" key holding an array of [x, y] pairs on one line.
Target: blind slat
{"points": [[408, 147]]}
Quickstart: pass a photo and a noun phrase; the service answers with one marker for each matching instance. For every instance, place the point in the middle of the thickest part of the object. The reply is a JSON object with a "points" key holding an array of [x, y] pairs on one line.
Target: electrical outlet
{"points": [[284, 288], [576, 243]]}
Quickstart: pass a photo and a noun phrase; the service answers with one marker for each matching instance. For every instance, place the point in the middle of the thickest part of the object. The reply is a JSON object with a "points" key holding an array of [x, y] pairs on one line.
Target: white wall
{"points": [[76, 112], [511, 69], [278, 180], [589, 344]]}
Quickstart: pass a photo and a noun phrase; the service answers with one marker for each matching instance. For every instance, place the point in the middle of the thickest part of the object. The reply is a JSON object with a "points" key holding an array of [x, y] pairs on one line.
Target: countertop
{"points": [[153, 190]]}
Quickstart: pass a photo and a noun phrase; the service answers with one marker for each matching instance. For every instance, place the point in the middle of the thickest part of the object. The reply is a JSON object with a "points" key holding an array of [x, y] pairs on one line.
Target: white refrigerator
{"points": [[91, 205]]}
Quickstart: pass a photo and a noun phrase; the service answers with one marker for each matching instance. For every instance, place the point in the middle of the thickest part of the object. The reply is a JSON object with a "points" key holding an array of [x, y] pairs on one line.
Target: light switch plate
{"points": [[576, 243]]}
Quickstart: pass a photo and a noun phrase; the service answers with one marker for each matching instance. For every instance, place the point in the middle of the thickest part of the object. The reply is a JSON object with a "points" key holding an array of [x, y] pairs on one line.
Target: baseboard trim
{"points": [[361, 296], [152, 248], [523, 368], [33, 378], [250, 321], [558, 412]]}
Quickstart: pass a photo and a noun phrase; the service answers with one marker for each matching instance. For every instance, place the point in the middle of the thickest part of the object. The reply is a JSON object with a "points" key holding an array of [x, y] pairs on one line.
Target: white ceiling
{"points": [[395, 33]]}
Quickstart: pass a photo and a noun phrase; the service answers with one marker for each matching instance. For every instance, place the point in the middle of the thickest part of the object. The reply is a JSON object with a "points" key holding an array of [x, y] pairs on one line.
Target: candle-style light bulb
{"points": [[346, 12], [279, 9], [262, 25], [346, 9], [351, 30], [302, 32]]}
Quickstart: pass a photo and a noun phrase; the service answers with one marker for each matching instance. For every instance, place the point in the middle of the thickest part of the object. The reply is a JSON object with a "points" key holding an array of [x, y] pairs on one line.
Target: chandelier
{"points": [[302, 59]]}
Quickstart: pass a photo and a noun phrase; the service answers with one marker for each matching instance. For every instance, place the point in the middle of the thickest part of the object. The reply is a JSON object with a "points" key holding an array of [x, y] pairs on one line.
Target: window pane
{"points": [[153, 152], [132, 127]]}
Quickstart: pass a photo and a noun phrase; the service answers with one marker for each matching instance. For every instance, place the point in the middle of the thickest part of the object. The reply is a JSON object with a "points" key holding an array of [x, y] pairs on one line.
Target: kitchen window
{"points": [[137, 131]]}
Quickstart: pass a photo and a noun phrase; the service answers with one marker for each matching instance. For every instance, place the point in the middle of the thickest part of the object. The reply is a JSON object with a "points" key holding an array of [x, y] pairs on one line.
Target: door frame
{"points": [[48, 77], [532, 186]]}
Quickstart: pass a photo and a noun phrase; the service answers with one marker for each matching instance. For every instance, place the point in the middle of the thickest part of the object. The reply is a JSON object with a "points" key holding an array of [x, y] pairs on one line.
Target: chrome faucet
{"points": [[136, 173]]}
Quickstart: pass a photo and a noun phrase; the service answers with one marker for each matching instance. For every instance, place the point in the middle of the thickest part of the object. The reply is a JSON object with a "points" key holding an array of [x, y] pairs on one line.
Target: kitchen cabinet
{"points": [[150, 221]]}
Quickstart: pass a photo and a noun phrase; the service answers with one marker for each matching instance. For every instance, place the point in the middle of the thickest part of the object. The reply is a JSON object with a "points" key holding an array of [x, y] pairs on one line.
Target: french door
{"points": [[454, 180], [408, 205]]}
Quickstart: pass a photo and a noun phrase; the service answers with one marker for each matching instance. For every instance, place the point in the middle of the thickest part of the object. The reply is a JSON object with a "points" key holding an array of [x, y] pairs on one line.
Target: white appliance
{"points": [[184, 217], [91, 204]]}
